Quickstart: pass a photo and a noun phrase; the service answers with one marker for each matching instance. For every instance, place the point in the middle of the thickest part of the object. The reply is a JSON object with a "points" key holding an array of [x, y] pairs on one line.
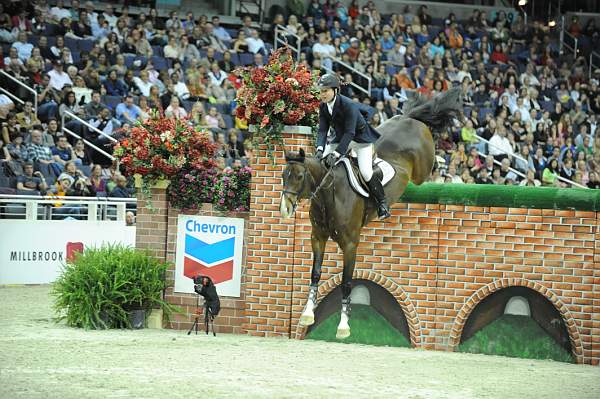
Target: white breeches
{"points": [[364, 154]]}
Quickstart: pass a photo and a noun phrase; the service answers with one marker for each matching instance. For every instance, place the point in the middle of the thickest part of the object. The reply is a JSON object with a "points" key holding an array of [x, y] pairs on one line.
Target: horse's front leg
{"points": [[318, 241], [349, 249]]}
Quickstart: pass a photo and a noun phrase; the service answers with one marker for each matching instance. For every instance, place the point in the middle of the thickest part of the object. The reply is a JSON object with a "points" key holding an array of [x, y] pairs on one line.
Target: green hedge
{"points": [[516, 336], [503, 196], [367, 327]]}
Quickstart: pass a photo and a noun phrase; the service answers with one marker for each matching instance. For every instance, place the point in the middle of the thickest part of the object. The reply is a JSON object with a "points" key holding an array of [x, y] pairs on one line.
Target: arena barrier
{"points": [[445, 251]]}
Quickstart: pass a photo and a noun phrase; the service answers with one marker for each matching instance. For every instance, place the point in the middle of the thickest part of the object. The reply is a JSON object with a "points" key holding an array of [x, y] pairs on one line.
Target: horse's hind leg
{"points": [[318, 247], [349, 249]]}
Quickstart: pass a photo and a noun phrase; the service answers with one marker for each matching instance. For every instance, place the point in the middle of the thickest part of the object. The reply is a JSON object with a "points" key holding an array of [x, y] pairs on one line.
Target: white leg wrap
{"points": [[343, 330]]}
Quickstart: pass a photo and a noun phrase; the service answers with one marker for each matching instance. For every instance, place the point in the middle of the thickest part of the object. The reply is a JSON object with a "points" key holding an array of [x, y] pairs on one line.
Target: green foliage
{"points": [[100, 286], [367, 326], [503, 196], [516, 336]]}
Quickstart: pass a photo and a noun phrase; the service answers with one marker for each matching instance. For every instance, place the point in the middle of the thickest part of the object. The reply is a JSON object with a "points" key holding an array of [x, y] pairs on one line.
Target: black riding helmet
{"points": [[329, 81]]}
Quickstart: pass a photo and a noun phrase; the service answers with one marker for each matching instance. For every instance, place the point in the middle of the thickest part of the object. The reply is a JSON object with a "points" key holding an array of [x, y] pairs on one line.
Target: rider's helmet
{"points": [[329, 81]]}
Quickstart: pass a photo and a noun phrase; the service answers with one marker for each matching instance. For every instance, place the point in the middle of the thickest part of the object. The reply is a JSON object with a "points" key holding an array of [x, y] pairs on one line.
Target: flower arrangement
{"points": [[159, 147], [280, 93], [227, 190], [232, 191]]}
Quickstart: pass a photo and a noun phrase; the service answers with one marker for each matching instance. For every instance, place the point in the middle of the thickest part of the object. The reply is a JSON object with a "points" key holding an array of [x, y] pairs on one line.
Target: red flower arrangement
{"points": [[280, 93], [160, 147]]}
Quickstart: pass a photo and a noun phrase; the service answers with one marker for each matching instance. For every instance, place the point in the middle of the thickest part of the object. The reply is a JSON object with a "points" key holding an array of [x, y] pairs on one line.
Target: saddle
{"points": [[382, 170]]}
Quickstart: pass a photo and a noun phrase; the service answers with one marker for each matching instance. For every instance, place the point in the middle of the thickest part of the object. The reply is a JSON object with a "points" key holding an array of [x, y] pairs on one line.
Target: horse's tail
{"points": [[438, 112]]}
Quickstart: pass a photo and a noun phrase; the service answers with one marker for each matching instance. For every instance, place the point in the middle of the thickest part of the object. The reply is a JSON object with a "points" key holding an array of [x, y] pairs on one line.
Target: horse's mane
{"points": [[438, 112]]}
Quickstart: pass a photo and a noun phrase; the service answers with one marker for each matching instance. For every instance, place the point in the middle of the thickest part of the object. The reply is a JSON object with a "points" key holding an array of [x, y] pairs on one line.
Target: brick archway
{"points": [[412, 318], [497, 285]]}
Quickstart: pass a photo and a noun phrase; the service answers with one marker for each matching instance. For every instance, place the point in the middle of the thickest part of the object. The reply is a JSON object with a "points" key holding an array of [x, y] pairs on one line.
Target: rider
{"points": [[343, 127]]}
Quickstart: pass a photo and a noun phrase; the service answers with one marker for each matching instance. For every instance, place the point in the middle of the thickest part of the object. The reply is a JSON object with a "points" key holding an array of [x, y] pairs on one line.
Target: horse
{"points": [[338, 212]]}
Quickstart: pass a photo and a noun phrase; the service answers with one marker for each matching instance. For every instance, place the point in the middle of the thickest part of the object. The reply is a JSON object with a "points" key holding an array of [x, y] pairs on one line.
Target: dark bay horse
{"points": [[338, 212]]}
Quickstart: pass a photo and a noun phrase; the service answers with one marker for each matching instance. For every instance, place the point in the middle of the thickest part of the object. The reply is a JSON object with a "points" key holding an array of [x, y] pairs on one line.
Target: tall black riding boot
{"points": [[376, 189]]}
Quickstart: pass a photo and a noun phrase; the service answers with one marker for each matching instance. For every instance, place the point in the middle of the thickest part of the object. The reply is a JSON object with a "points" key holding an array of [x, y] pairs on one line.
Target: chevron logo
{"points": [[213, 260]]}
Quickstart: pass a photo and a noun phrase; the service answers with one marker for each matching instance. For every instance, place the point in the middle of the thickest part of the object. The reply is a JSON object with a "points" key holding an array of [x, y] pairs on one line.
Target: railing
{"points": [[73, 116], [353, 70], [524, 160], [594, 62], [243, 9], [281, 33], [567, 40], [88, 143], [23, 85], [30, 207]]}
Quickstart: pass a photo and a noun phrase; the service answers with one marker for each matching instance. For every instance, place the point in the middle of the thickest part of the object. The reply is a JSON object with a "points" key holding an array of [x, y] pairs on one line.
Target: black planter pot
{"points": [[137, 318]]}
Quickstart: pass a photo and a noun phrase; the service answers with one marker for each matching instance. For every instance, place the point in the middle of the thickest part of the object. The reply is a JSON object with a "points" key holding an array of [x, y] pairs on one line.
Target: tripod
{"points": [[208, 319]]}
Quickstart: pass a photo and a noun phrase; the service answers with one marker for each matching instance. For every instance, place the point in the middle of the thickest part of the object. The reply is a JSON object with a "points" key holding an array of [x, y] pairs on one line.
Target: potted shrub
{"points": [[110, 287]]}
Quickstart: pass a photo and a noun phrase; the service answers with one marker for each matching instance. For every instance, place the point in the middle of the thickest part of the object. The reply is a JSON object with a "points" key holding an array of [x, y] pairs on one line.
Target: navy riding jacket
{"points": [[349, 122]]}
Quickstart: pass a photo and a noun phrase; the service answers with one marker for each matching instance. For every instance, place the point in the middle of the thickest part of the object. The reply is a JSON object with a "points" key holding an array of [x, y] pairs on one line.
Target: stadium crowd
{"points": [[530, 116]]}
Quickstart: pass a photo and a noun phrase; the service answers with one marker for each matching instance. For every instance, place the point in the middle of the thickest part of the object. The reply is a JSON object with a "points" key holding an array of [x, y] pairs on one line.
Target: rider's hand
{"points": [[330, 159], [319, 154]]}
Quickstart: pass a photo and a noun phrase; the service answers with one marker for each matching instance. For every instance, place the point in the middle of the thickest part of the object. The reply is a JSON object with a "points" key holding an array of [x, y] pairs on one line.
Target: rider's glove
{"points": [[331, 159], [319, 155]]}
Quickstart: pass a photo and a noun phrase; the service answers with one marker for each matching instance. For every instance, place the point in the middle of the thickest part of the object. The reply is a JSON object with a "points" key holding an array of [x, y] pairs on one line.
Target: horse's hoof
{"points": [[307, 320], [342, 333]]}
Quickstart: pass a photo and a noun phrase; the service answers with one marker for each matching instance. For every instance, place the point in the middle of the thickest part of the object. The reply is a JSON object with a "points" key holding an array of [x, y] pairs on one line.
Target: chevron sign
{"points": [[209, 246]]}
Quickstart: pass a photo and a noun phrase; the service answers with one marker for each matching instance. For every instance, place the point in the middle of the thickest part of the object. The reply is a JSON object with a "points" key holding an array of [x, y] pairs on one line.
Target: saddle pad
{"points": [[387, 171]]}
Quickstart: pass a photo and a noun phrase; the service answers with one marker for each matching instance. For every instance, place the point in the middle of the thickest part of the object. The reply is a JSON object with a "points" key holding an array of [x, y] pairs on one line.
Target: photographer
{"points": [[204, 286]]}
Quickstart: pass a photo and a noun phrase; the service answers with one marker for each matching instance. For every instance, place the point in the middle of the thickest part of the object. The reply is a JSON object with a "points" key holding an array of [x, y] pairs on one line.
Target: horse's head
{"points": [[296, 183]]}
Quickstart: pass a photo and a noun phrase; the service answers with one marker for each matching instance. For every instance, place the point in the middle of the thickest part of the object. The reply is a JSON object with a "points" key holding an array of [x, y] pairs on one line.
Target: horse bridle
{"points": [[304, 175]]}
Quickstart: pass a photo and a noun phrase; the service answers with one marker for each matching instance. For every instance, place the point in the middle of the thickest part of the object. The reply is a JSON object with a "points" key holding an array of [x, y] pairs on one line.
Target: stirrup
{"points": [[383, 211]]}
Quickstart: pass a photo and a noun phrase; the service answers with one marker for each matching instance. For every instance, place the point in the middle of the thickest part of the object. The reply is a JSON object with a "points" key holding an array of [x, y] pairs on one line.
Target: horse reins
{"points": [[313, 193]]}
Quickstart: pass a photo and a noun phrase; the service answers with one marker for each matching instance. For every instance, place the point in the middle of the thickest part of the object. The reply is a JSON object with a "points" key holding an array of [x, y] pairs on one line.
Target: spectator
{"points": [[551, 173], [121, 190], [255, 43], [70, 105], [594, 181], [10, 128], [129, 218], [213, 119], [506, 172], [31, 181], [58, 78], [172, 50], [188, 51], [483, 177], [15, 150], [114, 86], [23, 47], [62, 153], [106, 124], [220, 32], [175, 110], [127, 111], [93, 108], [209, 39], [98, 183], [216, 75], [40, 154], [27, 118], [499, 145], [240, 45]]}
